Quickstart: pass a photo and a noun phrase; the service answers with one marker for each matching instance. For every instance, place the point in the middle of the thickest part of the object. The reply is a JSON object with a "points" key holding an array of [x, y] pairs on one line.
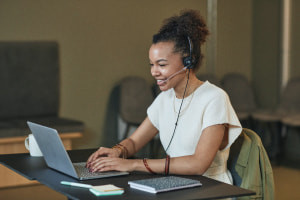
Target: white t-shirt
{"points": [[207, 106]]}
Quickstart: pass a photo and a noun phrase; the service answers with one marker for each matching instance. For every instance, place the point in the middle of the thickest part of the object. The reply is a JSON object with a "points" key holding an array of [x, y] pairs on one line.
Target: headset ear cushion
{"points": [[187, 62]]}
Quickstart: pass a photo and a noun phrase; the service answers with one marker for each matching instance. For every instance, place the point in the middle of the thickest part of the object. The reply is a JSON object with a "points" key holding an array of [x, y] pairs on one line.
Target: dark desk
{"points": [[34, 168]]}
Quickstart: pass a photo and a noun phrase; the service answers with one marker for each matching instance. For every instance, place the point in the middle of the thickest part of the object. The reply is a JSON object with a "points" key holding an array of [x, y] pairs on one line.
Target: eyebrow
{"points": [[161, 60]]}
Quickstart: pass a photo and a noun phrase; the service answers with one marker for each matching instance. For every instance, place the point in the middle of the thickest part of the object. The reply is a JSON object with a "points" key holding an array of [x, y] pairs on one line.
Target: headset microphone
{"points": [[183, 69]]}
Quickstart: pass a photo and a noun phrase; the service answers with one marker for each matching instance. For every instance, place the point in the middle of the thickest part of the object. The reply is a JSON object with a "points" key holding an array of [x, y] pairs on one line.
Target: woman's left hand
{"points": [[103, 164]]}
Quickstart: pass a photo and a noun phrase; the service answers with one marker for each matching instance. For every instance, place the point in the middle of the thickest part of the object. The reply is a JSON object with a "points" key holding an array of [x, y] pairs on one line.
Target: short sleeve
{"points": [[153, 113], [220, 111]]}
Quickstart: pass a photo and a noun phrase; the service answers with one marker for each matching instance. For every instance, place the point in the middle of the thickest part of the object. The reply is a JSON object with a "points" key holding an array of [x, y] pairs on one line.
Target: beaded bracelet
{"points": [[167, 165], [118, 148], [124, 150], [147, 166]]}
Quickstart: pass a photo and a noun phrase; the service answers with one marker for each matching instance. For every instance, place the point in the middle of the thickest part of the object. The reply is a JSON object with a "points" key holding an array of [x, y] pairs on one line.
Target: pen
{"points": [[76, 184]]}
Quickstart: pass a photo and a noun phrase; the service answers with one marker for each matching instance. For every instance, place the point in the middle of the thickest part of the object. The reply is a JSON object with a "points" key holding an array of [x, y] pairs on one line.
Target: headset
{"points": [[188, 61]]}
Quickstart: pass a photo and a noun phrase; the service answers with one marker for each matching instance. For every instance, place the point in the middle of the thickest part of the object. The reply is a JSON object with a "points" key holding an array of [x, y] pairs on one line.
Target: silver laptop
{"points": [[57, 158]]}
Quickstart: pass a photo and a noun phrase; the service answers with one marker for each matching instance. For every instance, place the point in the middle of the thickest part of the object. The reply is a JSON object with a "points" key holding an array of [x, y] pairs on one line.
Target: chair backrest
{"points": [[29, 79], [235, 149], [290, 97], [209, 77], [135, 97], [250, 166], [155, 90], [240, 92]]}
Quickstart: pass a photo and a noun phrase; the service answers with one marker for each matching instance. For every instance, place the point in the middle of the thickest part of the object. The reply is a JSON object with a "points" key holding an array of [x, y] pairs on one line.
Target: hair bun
{"points": [[177, 28], [188, 23]]}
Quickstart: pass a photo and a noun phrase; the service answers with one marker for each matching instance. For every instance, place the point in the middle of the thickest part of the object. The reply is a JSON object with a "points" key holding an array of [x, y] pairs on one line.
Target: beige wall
{"points": [[234, 37], [103, 41]]}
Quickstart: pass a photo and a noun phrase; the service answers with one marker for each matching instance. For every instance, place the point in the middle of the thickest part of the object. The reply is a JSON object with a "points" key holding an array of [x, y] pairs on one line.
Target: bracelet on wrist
{"points": [[124, 151], [147, 166], [167, 165]]}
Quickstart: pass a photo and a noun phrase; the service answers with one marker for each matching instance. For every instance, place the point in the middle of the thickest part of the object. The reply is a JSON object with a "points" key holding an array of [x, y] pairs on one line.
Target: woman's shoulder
{"points": [[211, 91]]}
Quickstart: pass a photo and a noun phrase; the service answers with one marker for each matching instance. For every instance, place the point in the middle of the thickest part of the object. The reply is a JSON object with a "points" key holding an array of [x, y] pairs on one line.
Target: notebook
{"points": [[106, 190], [57, 158], [163, 184]]}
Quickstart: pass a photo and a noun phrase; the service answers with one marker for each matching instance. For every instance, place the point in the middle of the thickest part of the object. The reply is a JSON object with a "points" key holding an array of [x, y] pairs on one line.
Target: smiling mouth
{"points": [[160, 82]]}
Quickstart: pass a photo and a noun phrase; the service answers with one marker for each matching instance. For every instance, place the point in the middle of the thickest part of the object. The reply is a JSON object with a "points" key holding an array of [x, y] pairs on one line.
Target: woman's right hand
{"points": [[103, 152]]}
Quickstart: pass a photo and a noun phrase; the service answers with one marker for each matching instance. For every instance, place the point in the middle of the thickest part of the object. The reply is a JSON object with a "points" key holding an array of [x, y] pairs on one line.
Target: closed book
{"points": [[163, 184]]}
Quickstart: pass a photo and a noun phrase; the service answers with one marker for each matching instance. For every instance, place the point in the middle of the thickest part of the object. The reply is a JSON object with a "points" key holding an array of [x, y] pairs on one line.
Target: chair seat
{"points": [[267, 115], [291, 120], [243, 115], [241, 94]]}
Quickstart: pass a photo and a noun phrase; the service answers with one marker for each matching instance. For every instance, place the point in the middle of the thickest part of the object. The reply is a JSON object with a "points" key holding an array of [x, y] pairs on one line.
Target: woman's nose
{"points": [[154, 71]]}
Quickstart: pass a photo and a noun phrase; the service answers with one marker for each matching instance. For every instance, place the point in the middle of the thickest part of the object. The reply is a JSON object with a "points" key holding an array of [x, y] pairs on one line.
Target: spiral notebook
{"points": [[164, 184]]}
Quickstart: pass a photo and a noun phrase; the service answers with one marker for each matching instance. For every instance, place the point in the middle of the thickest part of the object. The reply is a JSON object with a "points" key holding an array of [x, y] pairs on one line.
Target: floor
{"points": [[287, 181]]}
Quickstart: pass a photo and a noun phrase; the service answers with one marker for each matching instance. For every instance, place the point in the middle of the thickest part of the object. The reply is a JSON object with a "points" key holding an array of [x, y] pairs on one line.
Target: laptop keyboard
{"points": [[82, 171]]}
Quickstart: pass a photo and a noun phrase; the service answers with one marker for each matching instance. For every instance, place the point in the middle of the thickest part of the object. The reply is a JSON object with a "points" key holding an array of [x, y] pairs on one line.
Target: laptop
{"points": [[57, 158]]}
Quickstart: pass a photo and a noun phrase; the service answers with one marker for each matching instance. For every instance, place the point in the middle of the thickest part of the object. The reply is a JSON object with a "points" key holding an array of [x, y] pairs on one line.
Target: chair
{"points": [[291, 141], [283, 120], [290, 100], [155, 90], [235, 149], [30, 91], [126, 109], [135, 97], [250, 167], [289, 103], [30, 88], [241, 96], [290, 107], [209, 77]]}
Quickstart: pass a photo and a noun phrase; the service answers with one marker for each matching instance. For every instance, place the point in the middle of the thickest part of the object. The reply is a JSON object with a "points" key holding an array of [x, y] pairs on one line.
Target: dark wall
{"points": [[295, 39], [266, 51]]}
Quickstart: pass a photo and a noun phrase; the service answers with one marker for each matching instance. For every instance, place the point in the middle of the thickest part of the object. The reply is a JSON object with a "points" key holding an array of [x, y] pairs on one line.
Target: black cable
{"points": [[187, 82]]}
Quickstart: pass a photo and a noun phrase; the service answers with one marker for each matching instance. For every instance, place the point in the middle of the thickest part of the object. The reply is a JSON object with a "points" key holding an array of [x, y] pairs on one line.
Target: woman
{"points": [[195, 120]]}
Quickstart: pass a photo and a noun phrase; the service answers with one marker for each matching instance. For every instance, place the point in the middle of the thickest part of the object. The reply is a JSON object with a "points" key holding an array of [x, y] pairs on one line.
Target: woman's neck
{"points": [[193, 84]]}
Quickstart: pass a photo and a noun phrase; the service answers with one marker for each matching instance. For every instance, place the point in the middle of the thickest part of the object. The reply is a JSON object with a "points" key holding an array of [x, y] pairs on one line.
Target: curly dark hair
{"points": [[177, 29]]}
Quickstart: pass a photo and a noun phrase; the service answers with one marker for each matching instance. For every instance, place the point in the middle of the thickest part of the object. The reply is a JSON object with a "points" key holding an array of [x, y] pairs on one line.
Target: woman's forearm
{"points": [[141, 136], [186, 165]]}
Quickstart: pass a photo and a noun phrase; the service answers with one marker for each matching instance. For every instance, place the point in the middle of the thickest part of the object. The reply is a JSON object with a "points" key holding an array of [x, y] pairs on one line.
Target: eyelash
{"points": [[161, 65]]}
